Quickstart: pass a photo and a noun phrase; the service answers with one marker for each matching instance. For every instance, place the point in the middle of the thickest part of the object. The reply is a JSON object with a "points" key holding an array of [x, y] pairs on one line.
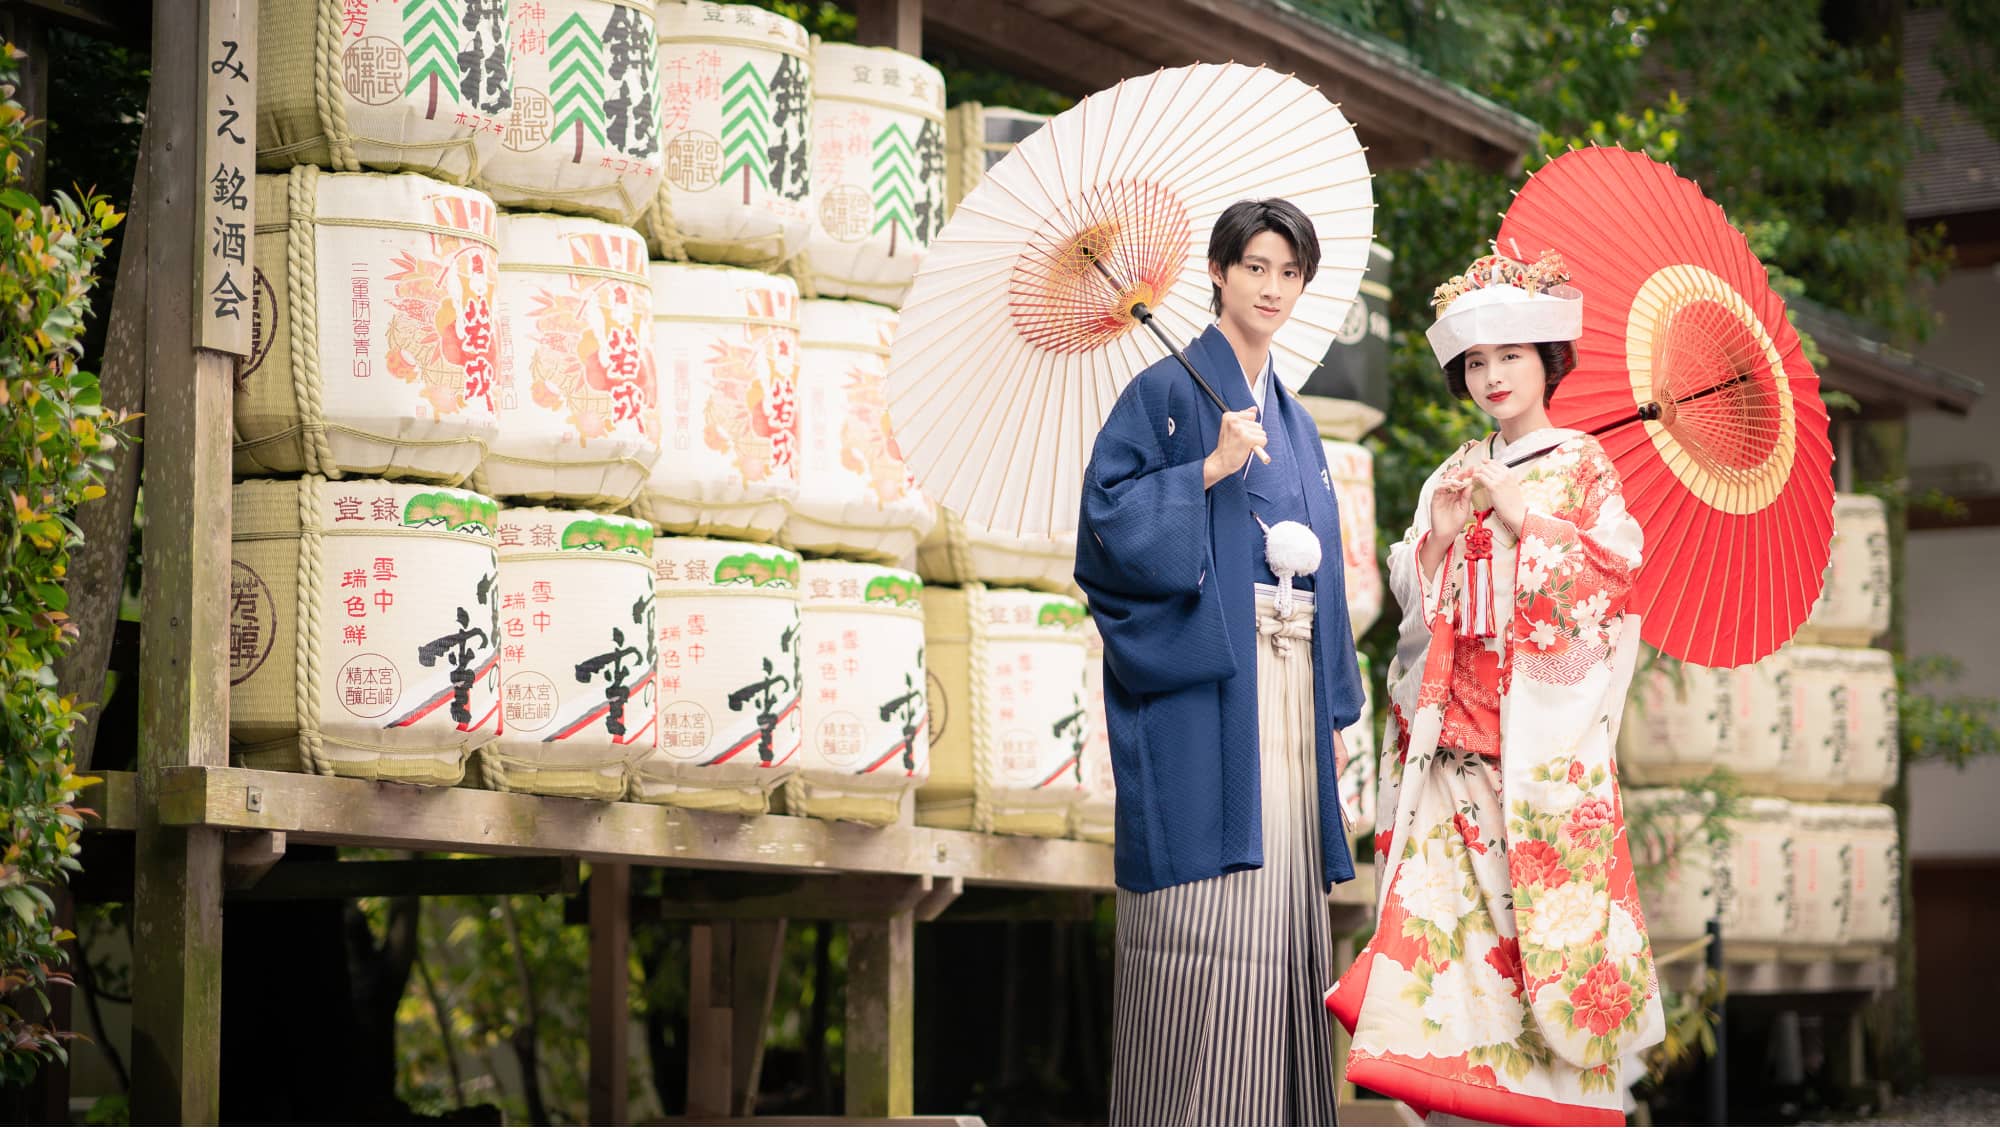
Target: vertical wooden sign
{"points": [[228, 147]]}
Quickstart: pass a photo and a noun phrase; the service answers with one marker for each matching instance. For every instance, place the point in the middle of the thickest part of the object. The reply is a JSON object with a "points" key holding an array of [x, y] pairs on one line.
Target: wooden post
{"points": [[890, 23], [711, 1026], [184, 668], [760, 953], [881, 1011], [610, 1017], [96, 583]]}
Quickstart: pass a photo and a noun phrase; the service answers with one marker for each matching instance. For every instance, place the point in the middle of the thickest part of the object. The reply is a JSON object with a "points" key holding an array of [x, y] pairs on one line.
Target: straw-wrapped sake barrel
{"points": [[1821, 881], [1765, 726], [1758, 903], [1684, 890], [1817, 757], [956, 553], [856, 497], [1008, 666], [737, 187], [583, 134], [1875, 902], [727, 343], [362, 624], [373, 349], [878, 170], [1095, 818], [867, 744], [728, 680], [577, 653], [1853, 607], [1358, 783], [579, 410], [1866, 727], [1679, 724], [977, 137], [1352, 467], [420, 85]]}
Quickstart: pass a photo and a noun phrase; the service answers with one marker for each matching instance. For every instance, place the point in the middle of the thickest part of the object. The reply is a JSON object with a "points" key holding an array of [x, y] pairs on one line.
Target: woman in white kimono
{"points": [[1509, 979]]}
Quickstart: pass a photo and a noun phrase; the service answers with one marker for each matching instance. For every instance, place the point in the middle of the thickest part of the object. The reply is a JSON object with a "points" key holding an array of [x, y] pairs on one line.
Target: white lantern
{"points": [[579, 409], [577, 653], [878, 170], [362, 624], [373, 351], [727, 342]]}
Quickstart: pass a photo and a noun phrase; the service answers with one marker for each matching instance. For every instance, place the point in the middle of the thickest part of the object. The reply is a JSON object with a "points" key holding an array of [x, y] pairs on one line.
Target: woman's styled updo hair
{"points": [[1558, 361]]}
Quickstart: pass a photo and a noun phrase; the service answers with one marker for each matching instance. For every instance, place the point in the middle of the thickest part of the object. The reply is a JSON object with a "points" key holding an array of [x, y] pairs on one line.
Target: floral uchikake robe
{"points": [[1510, 979]]}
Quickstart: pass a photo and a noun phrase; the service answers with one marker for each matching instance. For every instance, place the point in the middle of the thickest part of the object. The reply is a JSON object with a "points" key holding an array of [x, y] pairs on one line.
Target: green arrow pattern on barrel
{"points": [[746, 127], [430, 41], [576, 81], [895, 165]]}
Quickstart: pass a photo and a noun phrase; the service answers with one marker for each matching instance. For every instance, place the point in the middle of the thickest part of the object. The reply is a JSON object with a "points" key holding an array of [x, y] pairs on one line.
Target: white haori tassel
{"points": [[1290, 549]]}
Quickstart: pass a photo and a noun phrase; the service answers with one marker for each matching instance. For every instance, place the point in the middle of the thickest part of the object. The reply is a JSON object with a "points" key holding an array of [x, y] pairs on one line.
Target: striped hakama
{"points": [[1219, 1018]]}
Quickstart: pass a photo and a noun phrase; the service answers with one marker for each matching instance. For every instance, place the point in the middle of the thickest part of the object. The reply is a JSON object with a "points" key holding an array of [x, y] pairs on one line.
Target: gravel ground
{"points": [[1963, 1102]]}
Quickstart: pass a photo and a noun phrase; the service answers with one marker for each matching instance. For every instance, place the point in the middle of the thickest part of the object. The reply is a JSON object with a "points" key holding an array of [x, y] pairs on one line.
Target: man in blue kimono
{"points": [[1224, 703]]}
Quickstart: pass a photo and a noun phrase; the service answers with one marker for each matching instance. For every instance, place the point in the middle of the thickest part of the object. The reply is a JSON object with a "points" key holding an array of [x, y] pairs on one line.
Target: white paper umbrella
{"points": [[1019, 331]]}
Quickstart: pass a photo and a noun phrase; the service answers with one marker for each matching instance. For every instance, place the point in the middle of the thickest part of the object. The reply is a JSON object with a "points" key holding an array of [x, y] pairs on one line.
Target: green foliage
{"points": [[1968, 55], [1955, 729], [56, 442]]}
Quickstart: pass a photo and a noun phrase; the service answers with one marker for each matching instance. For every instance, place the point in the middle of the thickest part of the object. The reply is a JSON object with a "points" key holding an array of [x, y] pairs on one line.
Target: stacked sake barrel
{"points": [[1009, 691], [445, 293], [410, 334], [790, 626], [1811, 735]]}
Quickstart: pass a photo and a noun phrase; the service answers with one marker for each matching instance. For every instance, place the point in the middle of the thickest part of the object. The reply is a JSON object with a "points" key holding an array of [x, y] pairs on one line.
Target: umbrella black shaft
{"points": [[1145, 317], [1647, 413]]}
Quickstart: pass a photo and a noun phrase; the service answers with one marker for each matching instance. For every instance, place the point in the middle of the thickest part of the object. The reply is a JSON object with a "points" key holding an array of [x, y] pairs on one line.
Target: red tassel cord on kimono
{"points": [[1509, 979]]}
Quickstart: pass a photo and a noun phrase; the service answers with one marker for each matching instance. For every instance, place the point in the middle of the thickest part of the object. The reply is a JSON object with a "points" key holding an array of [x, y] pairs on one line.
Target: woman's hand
{"points": [[1505, 492], [1451, 504], [1240, 437]]}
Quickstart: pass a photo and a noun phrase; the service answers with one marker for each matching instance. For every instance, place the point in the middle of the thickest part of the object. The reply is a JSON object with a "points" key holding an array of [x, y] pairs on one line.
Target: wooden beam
{"points": [[610, 982], [880, 1037], [891, 23], [414, 877], [738, 896], [119, 21], [96, 581], [1977, 511], [184, 679], [463, 820], [1016, 40]]}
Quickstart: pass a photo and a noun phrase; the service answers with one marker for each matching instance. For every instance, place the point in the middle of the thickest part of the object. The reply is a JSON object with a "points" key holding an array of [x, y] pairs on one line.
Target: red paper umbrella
{"points": [[1725, 461]]}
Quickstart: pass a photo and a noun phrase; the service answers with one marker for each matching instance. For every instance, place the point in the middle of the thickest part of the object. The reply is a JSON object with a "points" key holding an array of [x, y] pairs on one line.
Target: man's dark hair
{"points": [[1243, 221], [1558, 359]]}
